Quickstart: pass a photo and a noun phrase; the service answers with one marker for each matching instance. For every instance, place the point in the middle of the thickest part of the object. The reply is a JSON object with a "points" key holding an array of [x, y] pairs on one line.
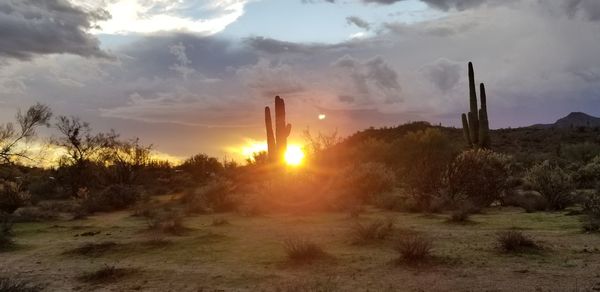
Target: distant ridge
{"points": [[574, 119]]}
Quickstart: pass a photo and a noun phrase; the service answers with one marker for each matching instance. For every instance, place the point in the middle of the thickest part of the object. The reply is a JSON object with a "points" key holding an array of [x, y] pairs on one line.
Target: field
{"points": [[246, 253]]}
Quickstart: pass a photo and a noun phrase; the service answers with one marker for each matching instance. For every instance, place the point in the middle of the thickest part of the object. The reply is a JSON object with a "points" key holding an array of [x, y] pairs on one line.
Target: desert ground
{"points": [[231, 252]]}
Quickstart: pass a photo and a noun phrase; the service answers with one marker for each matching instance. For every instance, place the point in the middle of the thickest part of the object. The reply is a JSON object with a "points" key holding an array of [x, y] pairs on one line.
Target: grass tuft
{"points": [[302, 250], [374, 231], [105, 274], [513, 241], [9, 285], [414, 249], [93, 249]]}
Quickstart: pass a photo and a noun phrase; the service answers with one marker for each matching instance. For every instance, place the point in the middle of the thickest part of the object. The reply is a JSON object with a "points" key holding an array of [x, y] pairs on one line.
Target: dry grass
{"points": [[219, 222], [10, 285], [105, 274], [93, 249], [374, 231], [303, 250], [414, 249], [516, 242]]}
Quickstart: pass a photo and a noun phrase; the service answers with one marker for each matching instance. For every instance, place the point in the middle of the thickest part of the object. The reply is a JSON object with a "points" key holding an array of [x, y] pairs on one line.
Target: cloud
{"points": [[30, 27], [443, 73], [370, 81], [355, 20], [270, 79], [149, 16], [589, 9]]}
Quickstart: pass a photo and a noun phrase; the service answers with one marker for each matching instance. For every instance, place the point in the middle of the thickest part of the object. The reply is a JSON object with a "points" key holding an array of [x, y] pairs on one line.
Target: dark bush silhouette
{"points": [[515, 242], [414, 248]]}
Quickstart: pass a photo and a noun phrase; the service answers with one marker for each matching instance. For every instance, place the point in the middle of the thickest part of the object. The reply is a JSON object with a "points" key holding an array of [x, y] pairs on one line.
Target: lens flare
{"points": [[294, 156], [322, 116]]}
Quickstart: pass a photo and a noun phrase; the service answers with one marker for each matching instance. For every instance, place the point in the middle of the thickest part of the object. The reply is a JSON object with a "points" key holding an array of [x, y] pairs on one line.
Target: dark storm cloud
{"points": [[34, 27], [273, 46], [589, 9], [443, 73], [355, 20]]}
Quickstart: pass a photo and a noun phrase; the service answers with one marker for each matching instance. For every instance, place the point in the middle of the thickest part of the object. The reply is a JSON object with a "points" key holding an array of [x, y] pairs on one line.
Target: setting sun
{"points": [[294, 156]]}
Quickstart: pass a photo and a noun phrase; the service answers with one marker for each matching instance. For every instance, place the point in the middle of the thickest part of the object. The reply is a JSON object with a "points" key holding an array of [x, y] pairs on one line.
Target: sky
{"points": [[191, 76]]}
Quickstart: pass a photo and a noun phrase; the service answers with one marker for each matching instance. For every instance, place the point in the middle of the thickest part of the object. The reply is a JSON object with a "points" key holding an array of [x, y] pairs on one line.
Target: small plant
{"points": [[302, 250], [414, 248], [513, 241], [9, 285], [105, 274], [167, 221], [553, 183], [93, 249], [463, 213], [377, 230], [219, 222], [592, 209]]}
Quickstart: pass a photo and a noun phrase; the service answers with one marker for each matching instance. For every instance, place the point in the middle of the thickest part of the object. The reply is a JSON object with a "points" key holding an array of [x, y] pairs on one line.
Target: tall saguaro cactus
{"points": [[476, 126], [277, 141]]}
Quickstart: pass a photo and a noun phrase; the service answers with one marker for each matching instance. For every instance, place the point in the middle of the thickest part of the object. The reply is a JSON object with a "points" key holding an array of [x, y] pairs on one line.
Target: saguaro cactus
{"points": [[277, 141], [476, 126]]}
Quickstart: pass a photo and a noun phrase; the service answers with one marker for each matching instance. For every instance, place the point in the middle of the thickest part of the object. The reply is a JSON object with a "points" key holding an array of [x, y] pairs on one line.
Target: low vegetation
{"points": [[513, 241], [10, 285], [303, 250], [371, 232], [106, 274], [414, 249]]}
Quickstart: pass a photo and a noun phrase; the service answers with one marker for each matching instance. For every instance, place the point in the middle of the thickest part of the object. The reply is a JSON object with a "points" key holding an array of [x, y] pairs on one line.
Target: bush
{"points": [[515, 242], [166, 221], [218, 195], [111, 198], [33, 214], [6, 232], [591, 207], [12, 196], [588, 175], [301, 250], [374, 231], [463, 213], [422, 158], [414, 248], [531, 201], [478, 176], [553, 183], [581, 152], [9, 285], [365, 181]]}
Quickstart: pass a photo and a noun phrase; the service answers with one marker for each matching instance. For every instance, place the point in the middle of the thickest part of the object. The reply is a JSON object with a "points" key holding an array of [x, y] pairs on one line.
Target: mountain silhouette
{"points": [[574, 119]]}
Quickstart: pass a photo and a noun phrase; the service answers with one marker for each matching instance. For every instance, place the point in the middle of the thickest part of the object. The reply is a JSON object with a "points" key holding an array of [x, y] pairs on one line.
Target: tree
{"points": [[125, 159], [201, 166], [13, 137]]}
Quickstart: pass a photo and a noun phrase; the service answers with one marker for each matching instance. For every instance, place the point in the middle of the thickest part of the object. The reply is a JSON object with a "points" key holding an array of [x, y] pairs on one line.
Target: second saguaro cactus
{"points": [[277, 140], [476, 126]]}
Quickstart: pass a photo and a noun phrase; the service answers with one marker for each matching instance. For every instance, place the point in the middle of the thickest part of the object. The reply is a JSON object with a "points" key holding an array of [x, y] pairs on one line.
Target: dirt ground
{"points": [[248, 255]]}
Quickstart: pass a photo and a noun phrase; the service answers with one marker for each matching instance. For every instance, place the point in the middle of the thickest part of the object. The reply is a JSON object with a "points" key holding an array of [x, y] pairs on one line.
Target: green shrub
{"points": [[422, 158], [580, 152], [364, 182], [414, 248], [591, 207], [374, 231], [478, 176], [553, 183]]}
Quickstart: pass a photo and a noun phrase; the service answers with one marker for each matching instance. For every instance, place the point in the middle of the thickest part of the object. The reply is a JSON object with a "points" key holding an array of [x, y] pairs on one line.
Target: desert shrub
{"points": [[588, 175], [218, 195], [10, 285], [462, 213], [397, 202], [513, 241], [477, 176], [414, 248], [363, 182], [591, 207], [580, 152], [105, 274], [6, 232], [12, 196], [553, 183], [111, 198], [302, 250], [374, 231], [202, 167], [422, 158], [531, 201]]}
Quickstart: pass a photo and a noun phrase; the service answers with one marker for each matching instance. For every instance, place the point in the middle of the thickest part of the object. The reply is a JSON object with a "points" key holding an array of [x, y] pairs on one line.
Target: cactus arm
{"points": [[272, 148], [484, 126], [473, 121], [466, 131]]}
